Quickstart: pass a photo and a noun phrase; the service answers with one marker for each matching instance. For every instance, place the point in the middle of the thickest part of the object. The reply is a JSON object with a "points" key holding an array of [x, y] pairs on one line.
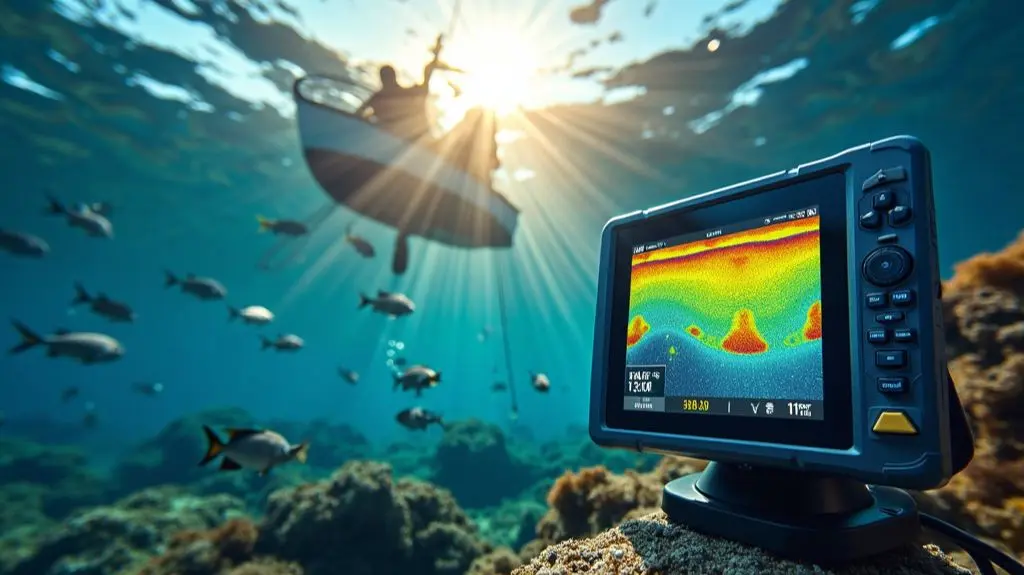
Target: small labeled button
{"points": [[892, 384], [875, 300], [904, 335], [878, 335], [888, 239], [899, 215], [885, 176], [889, 317], [883, 200], [891, 358], [870, 220], [902, 297], [894, 423]]}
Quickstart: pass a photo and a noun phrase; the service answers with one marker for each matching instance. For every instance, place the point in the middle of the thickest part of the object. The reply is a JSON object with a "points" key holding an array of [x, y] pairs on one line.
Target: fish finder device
{"points": [[790, 330]]}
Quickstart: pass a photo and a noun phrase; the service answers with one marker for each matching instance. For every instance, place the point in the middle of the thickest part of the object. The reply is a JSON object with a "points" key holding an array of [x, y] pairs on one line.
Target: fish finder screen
{"points": [[728, 321]]}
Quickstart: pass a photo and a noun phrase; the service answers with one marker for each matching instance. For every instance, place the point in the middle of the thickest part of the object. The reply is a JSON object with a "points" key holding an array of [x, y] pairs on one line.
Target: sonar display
{"points": [[733, 316]]}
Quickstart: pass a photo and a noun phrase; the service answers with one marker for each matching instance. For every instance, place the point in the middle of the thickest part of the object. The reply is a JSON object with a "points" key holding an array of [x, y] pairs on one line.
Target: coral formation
{"points": [[479, 446], [59, 476], [593, 499], [984, 307], [362, 521], [119, 538], [651, 545]]}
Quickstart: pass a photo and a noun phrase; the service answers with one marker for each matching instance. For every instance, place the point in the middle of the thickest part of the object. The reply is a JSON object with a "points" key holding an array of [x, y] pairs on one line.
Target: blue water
{"points": [[187, 184]]}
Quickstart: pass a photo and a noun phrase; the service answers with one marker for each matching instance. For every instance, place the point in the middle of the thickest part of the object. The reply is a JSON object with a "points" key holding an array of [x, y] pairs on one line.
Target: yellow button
{"points": [[894, 422]]}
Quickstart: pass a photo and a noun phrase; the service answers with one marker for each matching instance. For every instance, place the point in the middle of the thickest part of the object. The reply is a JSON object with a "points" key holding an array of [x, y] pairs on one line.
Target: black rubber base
{"points": [[792, 514]]}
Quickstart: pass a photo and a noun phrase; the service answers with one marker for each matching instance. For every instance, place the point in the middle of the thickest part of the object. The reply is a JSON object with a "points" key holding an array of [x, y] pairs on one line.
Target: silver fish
{"points": [[417, 378], [257, 449], [22, 244], [87, 348], [202, 288], [387, 303]]}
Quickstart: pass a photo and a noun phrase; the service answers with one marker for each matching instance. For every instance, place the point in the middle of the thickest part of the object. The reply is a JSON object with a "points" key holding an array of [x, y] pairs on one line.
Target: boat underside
{"points": [[411, 204]]}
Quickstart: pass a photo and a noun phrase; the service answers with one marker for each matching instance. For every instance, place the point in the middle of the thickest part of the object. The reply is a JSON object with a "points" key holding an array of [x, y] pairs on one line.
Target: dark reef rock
{"points": [[119, 538], [361, 521], [55, 478], [171, 456], [650, 545], [333, 444], [473, 461]]}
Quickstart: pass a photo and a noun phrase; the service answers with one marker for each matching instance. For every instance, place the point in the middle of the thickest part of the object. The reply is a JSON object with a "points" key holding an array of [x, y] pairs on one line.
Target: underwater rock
{"points": [[332, 444], [473, 462], [593, 499], [361, 521], [501, 561], [224, 550], [122, 537], [170, 457], [60, 475], [984, 307], [651, 545]]}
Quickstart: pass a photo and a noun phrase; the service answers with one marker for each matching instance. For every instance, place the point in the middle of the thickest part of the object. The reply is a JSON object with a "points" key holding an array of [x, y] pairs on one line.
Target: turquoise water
{"points": [[188, 163]]}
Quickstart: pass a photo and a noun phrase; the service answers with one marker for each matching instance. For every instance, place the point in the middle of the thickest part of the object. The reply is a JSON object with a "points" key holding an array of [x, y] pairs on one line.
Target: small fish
{"points": [[283, 227], [69, 393], [649, 9], [257, 449], [285, 342], [401, 361], [202, 288], [391, 304], [361, 245], [419, 419], [94, 224], [150, 388], [349, 375], [417, 378], [103, 306], [254, 314], [87, 348], [484, 334], [499, 386], [540, 382], [22, 244]]}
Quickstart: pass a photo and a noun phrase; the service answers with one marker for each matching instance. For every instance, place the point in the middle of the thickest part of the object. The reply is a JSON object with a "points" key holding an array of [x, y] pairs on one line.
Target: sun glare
{"points": [[499, 68]]}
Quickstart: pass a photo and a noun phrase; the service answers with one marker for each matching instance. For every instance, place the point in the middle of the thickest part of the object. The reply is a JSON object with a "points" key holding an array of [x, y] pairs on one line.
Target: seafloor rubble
{"points": [[361, 519]]}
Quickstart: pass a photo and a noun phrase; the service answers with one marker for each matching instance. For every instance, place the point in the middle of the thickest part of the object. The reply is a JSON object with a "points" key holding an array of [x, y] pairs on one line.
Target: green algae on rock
{"points": [[651, 545], [120, 538]]}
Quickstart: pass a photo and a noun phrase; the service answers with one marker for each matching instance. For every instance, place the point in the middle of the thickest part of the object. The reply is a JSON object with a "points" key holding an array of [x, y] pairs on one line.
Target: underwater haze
{"points": [[174, 122]]}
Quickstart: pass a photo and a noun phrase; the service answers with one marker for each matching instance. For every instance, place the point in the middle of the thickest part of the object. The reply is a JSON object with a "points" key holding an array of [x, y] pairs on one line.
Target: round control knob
{"points": [[888, 265]]}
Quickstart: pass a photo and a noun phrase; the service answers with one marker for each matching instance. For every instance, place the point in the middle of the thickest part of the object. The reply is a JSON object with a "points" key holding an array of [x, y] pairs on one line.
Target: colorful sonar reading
{"points": [[734, 316]]}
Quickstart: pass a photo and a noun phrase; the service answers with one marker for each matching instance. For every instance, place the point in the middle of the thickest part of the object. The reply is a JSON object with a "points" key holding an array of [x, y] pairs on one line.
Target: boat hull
{"points": [[399, 184]]}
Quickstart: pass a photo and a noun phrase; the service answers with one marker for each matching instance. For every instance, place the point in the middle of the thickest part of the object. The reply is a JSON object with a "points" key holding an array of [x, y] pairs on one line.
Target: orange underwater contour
{"points": [[637, 329], [743, 337]]}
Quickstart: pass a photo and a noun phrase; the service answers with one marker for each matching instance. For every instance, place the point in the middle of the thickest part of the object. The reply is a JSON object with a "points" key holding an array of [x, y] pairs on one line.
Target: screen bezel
{"points": [[826, 189]]}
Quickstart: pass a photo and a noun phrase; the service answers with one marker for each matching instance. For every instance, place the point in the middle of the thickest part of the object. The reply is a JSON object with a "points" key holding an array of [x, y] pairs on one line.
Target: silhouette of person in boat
{"points": [[402, 111]]}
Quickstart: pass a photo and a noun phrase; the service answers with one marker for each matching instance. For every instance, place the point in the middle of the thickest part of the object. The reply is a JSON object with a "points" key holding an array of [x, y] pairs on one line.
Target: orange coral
{"points": [[1002, 270]]}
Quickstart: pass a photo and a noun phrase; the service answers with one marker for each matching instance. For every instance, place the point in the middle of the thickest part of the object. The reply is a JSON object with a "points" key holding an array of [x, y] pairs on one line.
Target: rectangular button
{"points": [[892, 384], [886, 176], [875, 300], [904, 335], [888, 239], [891, 358], [878, 335], [889, 317], [902, 297]]}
